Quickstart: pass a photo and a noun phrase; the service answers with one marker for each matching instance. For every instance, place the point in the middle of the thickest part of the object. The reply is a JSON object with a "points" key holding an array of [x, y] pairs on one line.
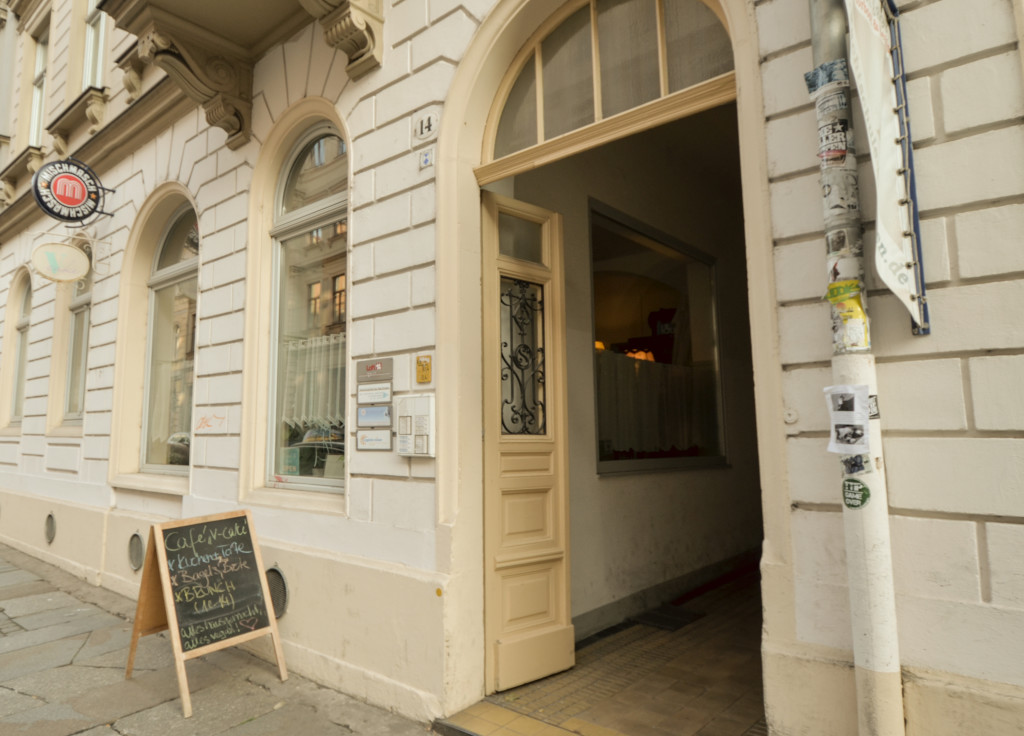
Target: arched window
{"points": [[21, 354], [308, 353], [171, 345], [606, 58]]}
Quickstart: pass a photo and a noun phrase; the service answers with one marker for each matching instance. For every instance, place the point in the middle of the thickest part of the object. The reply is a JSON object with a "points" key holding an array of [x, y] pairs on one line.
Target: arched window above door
{"points": [[606, 58]]}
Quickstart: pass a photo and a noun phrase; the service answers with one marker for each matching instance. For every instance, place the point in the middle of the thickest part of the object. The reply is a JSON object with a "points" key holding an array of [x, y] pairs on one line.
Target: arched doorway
{"points": [[496, 61]]}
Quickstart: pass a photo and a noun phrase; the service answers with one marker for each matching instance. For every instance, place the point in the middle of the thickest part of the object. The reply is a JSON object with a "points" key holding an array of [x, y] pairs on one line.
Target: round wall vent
{"points": [[51, 528], [278, 590], [136, 551]]}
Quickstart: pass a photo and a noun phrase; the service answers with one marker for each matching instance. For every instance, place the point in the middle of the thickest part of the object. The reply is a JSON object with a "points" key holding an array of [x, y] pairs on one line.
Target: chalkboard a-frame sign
{"points": [[203, 581]]}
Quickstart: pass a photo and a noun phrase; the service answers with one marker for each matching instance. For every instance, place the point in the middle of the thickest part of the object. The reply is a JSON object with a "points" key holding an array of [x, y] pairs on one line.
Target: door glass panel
{"points": [[627, 33], [519, 238], [517, 128], [568, 76], [698, 45], [522, 357]]}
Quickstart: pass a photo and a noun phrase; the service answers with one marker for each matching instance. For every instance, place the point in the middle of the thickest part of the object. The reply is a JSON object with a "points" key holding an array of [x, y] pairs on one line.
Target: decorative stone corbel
{"points": [[131, 73], [355, 27], [218, 80], [90, 107], [21, 166]]}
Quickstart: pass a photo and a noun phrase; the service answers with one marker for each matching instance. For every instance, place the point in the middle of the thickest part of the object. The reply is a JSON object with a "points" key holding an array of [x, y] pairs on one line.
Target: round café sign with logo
{"points": [[67, 190]]}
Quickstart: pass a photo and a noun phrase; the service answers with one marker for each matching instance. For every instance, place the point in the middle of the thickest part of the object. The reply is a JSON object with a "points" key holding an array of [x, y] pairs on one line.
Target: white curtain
{"points": [[313, 381]]}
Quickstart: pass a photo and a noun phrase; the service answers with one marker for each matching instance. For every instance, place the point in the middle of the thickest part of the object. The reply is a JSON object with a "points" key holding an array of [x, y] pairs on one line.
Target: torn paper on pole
{"points": [[873, 69], [849, 414]]}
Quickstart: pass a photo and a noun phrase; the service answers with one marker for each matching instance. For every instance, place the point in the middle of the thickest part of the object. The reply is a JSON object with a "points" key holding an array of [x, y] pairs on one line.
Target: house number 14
{"points": [[426, 126]]}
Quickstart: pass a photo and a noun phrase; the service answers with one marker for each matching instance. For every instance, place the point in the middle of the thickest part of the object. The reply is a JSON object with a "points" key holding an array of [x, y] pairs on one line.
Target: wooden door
{"points": [[528, 623]]}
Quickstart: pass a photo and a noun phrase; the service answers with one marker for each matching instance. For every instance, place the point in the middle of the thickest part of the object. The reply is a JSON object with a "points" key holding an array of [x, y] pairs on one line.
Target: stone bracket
{"points": [[90, 106], [208, 73], [355, 27], [25, 163]]}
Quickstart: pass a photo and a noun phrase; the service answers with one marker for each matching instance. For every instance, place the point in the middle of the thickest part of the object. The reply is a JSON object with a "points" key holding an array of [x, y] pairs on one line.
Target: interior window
{"points": [[656, 348], [308, 427], [173, 288]]}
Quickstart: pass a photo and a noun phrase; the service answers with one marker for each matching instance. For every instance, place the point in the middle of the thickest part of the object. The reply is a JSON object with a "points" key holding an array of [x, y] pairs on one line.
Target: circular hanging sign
{"points": [[60, 262], [67, 190]]}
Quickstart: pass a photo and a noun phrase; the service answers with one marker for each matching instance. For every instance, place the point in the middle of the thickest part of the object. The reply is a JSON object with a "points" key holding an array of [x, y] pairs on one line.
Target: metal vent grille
{"points": [[136, 550], [278, 590], [51, 528]]}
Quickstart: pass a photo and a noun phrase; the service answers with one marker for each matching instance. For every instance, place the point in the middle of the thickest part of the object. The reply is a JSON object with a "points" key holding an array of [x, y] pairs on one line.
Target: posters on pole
{"points": [[849, 414], [871, 61]]}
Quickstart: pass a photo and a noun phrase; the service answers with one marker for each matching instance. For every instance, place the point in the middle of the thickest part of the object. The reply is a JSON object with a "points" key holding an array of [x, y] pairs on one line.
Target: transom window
{"points": [[173, 287], [307, 430], [606, 58]]}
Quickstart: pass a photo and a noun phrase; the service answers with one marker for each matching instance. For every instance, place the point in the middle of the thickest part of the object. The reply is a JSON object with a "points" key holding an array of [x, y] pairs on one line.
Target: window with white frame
{"points": [[173, 288], [21, 354], [35, 132], [92, 71], [307, 429], [78, 350]]}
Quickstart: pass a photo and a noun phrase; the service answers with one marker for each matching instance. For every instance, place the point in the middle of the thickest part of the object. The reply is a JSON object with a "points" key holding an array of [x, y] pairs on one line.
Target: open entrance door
{"points": [[527, 615]]}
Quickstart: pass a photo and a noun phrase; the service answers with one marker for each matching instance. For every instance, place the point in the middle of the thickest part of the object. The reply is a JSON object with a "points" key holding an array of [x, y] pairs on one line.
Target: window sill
{"points": [[11, 430], [170, 485], [299, 500], [66, 430]]}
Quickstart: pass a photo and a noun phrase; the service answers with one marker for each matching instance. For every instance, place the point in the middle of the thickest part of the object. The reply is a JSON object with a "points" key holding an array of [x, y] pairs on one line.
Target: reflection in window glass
{"points": [[320, 171], [173, 290], [78, 349], [309, 432], [656, 348]]}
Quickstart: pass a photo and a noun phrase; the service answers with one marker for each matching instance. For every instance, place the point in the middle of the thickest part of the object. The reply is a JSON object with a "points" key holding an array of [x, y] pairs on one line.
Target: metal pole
{"points": [[865, 499]]}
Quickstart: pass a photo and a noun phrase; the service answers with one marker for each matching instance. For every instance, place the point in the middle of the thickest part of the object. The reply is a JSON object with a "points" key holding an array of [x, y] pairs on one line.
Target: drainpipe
{"points": [[865, 501]]}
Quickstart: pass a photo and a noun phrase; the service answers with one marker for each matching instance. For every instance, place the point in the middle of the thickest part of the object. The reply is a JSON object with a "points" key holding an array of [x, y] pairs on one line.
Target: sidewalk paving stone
{"points": [[64, 647]]}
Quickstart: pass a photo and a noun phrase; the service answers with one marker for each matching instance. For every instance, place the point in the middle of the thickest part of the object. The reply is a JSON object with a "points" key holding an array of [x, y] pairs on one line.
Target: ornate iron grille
{"points": [[522, 357]]}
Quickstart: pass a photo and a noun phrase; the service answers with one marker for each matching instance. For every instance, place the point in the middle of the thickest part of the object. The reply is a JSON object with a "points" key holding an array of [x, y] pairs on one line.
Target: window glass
{"points": [[35, 134], [78, 349], [568, 69], [309, 434], [92, 74], [522, 357], [307, 429], [698, 45], [21, 354], [520, 238], [320, 171], [656, 347], [628, 39], [517, 128], [173, 290]]}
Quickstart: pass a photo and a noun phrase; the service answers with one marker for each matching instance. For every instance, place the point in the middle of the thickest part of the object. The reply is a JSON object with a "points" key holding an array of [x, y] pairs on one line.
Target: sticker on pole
{"points": [[849, 414], [855, 494]]}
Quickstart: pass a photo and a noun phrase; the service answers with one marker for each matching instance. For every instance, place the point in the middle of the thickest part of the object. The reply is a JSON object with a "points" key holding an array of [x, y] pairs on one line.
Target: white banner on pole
{"points": [[871, 61]]}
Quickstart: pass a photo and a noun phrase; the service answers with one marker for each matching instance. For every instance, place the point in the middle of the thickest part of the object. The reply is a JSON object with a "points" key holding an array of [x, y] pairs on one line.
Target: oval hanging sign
{"points": [[60, 262], [67, 190]]}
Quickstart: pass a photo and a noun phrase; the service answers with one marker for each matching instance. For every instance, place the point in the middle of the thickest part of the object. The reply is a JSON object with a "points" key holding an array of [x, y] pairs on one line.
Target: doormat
{"points": [[668, 617]]}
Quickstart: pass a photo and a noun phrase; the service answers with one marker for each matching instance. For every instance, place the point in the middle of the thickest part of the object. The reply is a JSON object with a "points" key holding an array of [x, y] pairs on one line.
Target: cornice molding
{"points": [[90, 106], [355, 27]]}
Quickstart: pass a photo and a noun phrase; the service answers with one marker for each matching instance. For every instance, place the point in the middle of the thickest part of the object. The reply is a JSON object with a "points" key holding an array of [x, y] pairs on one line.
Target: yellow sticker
{"points": [[423, 371]]}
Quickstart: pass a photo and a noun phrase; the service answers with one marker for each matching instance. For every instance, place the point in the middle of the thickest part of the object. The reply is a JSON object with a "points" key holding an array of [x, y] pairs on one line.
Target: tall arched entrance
{"points": [[619, 456]]}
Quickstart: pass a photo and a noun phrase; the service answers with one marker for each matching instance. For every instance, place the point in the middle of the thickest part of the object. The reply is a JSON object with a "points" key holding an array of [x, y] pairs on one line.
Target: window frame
{"points": [[22, 327], [599, 211], [80, 304], [37, 105], [321, 213], [160, 279]]}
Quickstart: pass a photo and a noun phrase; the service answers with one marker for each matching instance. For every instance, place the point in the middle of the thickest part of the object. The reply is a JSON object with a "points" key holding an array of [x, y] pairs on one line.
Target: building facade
{"points": [[504, 318]]}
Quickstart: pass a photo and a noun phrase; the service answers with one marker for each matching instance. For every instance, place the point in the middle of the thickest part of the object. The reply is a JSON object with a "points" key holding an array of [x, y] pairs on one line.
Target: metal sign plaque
{"points": [[67, 190], [378, 369]]}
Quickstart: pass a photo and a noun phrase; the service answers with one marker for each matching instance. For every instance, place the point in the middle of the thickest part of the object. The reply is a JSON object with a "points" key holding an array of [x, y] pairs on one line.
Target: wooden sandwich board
{"points": [[203, 581]]}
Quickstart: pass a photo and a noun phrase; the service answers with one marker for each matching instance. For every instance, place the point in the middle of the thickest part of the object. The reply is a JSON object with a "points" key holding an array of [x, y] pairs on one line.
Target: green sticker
{"points": [[855, 494]]}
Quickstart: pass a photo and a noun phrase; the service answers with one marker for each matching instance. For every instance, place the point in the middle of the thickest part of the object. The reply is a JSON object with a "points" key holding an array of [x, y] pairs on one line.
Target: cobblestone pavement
{"points": [[63, 649]]}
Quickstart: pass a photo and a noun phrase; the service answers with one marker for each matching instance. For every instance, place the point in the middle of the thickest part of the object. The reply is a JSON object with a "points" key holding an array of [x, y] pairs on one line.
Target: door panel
{"points": [[527, 615]]}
